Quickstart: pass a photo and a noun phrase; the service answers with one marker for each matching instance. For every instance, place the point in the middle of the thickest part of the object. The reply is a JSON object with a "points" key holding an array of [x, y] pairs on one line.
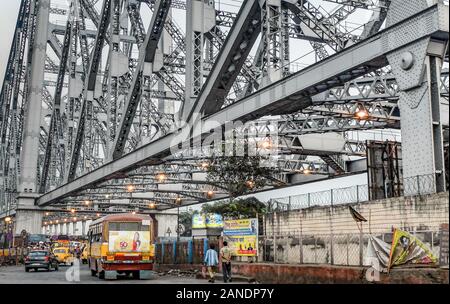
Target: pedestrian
{"points": [[225, 254], [211, 261]]}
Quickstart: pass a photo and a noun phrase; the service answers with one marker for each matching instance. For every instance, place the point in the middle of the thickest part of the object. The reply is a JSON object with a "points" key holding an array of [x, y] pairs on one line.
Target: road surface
{"points": [[17, 275]]}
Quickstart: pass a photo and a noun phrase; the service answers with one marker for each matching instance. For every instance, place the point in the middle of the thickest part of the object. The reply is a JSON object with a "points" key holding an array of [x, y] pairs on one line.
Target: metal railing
{"points": [[415, 185], [354, 194]]}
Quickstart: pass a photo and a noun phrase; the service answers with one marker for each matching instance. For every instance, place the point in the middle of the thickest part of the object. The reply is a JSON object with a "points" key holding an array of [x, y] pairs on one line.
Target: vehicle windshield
{"points": [[38, 253], [59, 251]]}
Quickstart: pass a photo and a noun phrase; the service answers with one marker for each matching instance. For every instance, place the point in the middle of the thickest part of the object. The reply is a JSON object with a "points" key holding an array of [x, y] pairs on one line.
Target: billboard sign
{"points": [[129, 241], [202, 221], [242, 236]]}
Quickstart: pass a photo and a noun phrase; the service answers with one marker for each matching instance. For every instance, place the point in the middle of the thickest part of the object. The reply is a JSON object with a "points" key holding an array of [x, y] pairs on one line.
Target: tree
{"points": [[238, 174], [186, 221], [237, 209]]}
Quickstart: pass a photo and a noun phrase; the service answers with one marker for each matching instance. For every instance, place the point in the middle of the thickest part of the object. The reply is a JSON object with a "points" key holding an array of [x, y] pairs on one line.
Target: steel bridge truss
{"points": [[95, 93]]}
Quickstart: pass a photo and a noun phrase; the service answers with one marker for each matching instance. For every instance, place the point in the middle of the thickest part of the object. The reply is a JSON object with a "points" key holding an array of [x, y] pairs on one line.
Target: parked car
{"points": [[41, 259]]}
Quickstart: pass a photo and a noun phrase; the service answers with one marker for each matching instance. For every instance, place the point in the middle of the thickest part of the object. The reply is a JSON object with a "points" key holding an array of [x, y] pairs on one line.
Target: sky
{"points": [[8, 16]]}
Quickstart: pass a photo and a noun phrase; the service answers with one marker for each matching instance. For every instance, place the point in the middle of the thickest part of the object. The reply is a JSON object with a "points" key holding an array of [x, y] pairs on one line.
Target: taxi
{"points": [[63, 255]]}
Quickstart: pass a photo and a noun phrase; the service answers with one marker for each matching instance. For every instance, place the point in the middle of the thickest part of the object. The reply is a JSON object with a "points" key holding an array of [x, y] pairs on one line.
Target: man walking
{"points": [[225, 254], [211, 261]]}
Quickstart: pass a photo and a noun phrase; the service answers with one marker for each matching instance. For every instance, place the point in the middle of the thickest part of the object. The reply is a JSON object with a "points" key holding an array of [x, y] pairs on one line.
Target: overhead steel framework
{"points": [[101, 99]]}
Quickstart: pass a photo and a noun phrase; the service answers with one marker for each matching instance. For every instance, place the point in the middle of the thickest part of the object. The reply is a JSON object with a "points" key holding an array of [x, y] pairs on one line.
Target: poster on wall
{"points": [[201, 221], [129, 241], [242, 236]]}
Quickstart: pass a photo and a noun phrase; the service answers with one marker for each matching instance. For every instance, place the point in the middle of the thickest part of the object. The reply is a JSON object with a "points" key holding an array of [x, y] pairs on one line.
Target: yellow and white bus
{"points": [[121, 244]]}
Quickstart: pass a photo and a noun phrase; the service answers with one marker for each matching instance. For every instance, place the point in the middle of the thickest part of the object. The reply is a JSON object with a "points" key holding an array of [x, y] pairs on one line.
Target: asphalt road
{"points": [[17, 275]]}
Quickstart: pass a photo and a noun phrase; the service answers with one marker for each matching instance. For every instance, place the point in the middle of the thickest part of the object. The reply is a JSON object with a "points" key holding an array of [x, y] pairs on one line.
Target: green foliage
{"points": [[238, 174], [186, 221], [237, 209]]}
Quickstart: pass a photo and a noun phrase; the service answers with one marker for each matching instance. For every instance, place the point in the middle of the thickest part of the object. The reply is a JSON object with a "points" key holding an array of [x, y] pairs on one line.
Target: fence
{"points": [[334, 249], [415, 185], [354, 194], [183, 252]]}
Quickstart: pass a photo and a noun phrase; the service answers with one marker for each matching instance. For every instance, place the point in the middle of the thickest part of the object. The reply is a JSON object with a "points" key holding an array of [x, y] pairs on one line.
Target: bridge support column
{"points": [[83, 228], [417, 68], [27, 216]]}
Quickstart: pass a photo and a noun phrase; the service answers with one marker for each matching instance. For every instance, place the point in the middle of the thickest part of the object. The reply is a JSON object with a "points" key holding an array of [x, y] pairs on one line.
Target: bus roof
{"points": [[125, 217]]}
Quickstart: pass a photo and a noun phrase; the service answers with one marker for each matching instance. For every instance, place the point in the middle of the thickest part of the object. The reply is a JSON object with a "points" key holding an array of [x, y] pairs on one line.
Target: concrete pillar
{"points": [[29, 220], [74, 228], [83, 227]]}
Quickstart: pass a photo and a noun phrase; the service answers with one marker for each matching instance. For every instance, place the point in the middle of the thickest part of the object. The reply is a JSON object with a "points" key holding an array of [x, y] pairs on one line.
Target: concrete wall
{"points": [[167, 221], [321, 274], [411, 213]]}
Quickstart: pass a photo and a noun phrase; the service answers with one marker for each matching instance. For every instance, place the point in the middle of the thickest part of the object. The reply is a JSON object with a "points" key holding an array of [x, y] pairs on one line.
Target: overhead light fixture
{"points": [[130, 188], [250, 184], [87, 203], [72, 210], [361, 113], [8, 219], [152, 205], [265, 144], [161, 177], [210, 194]]}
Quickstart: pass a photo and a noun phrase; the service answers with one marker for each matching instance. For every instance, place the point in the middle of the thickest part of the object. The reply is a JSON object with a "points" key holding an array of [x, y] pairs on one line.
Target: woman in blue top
{"points": [[211, 261]]}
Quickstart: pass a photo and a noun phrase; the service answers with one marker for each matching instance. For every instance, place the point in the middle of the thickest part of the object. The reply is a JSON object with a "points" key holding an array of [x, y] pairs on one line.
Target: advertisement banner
{"points": [[129, 241], [242, 236], [201, 221], [198, 221], [407, 249], [241, 227]]}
